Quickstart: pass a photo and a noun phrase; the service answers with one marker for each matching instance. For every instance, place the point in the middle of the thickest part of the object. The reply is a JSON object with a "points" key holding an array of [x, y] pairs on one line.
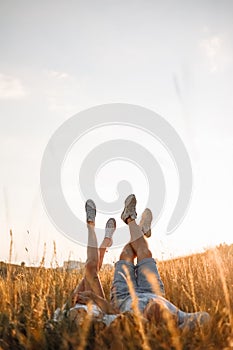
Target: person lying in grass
{"points": [[135, 288]]}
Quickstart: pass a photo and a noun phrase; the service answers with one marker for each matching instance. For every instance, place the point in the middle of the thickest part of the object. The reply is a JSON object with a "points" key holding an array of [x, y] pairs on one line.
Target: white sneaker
{"points": [[110, 228], [90, 210], [130, 208], [145, 222]]}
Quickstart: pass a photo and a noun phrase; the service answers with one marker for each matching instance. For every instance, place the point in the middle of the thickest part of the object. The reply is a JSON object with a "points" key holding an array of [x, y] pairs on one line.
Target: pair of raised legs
{"points": [[150, 301], [137, 247], [95, 255]]}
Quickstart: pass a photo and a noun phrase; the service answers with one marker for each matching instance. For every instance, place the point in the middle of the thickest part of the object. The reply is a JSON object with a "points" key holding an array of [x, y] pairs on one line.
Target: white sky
{"points": [[60, 57]]}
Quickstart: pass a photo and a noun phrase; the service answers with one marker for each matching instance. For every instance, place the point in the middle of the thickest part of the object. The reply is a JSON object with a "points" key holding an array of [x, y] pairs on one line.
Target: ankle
{"points": [[91, 223], [107, 242]]}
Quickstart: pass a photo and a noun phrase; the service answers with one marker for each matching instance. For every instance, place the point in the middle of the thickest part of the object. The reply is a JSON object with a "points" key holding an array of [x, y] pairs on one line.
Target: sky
{"points": [[61, 57]]}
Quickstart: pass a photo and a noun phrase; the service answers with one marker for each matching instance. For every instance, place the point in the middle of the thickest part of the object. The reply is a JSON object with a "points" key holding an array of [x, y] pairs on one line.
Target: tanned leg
{"points": [[91, 279], [107, 241], [102, 250], [128, 254], [138, 241]]}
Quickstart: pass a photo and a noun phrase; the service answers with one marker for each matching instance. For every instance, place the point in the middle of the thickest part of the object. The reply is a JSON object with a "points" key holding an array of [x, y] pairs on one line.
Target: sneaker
{"points": [[145, 223], [192, 320], [110, 229], [90, 210], [130, 208]]}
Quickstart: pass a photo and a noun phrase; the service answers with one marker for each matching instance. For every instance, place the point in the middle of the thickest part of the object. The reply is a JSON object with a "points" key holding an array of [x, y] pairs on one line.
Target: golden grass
{"points": [[29, 296]]}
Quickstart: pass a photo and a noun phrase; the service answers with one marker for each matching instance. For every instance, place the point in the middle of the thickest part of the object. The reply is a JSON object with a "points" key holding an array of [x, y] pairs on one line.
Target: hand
{"points": [[82, 297]]}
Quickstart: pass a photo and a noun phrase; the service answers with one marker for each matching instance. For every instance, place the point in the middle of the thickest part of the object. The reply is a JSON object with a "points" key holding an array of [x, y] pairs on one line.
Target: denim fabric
{"points": [[120, 295], [137, 273]]}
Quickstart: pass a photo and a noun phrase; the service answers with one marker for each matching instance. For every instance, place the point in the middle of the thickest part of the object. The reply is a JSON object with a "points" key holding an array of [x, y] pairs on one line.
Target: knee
{"points": [[127, 255], [157, 311], [123, 255], [153, 312], [144, 253]]}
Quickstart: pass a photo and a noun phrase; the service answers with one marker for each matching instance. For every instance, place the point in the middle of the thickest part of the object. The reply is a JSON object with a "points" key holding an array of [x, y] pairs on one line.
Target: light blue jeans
{"points": [[137, 273], [120, 295]]}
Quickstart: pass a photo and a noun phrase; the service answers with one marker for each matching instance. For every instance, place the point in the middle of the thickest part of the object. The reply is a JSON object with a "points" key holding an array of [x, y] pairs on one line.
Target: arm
{"points": [[103, 304]]}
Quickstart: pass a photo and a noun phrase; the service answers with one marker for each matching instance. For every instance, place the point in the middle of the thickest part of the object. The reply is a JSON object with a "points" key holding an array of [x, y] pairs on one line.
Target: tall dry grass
{"points": [[29, 296]]}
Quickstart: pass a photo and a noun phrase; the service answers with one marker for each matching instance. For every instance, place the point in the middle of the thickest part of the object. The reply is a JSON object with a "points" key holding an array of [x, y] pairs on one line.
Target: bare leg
{"points": [[91, 279], [145, 263], [102, 250], [128, 254], [137, 241], [83, 285], [107, 241], [95, 256]]}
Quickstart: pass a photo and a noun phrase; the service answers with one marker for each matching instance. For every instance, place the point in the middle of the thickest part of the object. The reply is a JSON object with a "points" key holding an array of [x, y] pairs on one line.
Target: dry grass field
{"points": [[29, 296]]}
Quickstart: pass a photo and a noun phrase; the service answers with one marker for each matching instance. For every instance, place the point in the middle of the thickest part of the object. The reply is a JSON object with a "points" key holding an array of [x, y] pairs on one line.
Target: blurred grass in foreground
{"points": [[29, 297]]}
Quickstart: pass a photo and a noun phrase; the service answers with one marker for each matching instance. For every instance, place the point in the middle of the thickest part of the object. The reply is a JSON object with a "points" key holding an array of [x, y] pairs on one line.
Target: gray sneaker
{"points": [[190, 321], [145, 222], [110, 229], [90, 210], [130, 208]]}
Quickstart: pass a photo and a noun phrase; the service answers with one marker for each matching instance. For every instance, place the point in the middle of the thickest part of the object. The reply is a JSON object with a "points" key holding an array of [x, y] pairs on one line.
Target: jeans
{"points": [[120, 295], [120, 291]]}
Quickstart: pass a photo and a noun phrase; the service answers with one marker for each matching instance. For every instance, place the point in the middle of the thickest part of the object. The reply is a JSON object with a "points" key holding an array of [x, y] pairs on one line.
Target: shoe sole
{"points": [[113, 220], [92, 205], [127, 202], [113, 229], [148, 233]]}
